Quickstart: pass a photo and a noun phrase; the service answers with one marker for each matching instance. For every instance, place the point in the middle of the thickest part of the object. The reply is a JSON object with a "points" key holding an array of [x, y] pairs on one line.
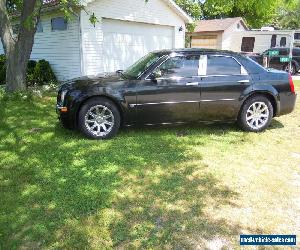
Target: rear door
{"points": [[222, 83]]}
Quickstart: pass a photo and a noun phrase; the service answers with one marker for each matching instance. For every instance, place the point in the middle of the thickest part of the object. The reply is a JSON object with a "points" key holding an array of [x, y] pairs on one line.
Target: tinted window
{"points": [[181, 66], [141, 65], [58, 23], [296, 52], [221, 65], [297, 36], [284, 52]]}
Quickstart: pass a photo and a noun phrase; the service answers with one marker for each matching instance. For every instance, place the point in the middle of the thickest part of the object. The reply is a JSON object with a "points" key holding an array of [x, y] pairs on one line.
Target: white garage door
{"points": [[126, 42]]}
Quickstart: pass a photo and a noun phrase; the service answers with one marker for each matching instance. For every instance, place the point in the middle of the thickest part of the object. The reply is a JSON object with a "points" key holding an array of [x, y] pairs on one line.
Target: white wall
{"points": [[262, 39], [227, 35], [60, 48], [153, 12]]}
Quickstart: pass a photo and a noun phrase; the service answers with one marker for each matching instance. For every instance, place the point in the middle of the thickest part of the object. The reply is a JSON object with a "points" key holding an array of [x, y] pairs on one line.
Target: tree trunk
{"points": [[15, 72], [18, 49]]}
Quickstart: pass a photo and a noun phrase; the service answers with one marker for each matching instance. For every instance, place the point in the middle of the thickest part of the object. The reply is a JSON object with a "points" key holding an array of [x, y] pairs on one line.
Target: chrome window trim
{"points": [[243, 69]]}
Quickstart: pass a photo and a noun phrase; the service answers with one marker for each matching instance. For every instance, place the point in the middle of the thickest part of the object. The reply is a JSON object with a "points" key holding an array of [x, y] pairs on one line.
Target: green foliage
{"points": [[256, 13], [191, 7], [287, 16], [43, 73], [39, 73]]}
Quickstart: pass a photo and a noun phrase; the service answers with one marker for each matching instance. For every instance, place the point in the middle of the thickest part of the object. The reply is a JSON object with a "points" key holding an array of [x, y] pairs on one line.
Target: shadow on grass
{"points": [[141, 189]]}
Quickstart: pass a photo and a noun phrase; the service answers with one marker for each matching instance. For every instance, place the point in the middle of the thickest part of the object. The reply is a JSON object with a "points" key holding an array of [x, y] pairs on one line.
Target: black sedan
{"points": [[173, 86]]}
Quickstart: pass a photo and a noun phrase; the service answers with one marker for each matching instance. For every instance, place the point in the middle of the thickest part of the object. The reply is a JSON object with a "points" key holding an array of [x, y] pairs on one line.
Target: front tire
{"points": [[256, 114], [99, 118]]}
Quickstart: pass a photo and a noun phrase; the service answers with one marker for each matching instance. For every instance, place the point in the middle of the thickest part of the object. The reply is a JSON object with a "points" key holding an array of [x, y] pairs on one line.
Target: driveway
{"points": [[296, 77]]}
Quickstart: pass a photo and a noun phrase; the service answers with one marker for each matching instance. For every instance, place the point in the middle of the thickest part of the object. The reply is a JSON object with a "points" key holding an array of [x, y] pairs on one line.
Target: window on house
{"points": [[273, 41], [283, 41], [248, 44], [297, 36], [59, 23], [39, 27]]}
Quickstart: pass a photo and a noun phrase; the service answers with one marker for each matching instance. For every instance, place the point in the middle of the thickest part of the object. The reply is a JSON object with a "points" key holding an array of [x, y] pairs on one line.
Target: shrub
{"points": [[43, 73], [30, 72], [37, 72], [2, 69]]}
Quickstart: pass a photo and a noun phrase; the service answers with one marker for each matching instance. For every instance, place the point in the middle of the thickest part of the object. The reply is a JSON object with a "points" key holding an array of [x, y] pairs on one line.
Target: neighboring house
{"points": [[126, 31], [233, 34], [216, 33]]}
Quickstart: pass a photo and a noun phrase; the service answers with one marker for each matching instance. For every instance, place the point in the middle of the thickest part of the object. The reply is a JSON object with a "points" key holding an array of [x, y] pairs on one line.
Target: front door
{"points": [[221, 87], [172, 93]]}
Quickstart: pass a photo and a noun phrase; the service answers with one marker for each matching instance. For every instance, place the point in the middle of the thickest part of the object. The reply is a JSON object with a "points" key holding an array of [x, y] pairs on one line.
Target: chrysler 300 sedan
{"points": [[174, 86]]}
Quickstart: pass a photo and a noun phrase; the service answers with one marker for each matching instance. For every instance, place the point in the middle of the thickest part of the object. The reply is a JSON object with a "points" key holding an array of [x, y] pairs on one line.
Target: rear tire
{"points": [[256, 114], [99, 118], [292, 71]]}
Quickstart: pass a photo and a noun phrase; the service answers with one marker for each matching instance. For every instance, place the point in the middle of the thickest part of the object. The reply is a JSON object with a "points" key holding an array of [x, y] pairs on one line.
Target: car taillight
{"points": [[292, 87]]}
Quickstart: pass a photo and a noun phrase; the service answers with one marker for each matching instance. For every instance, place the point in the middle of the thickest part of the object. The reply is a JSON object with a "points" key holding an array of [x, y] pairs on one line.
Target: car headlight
{"points": [[63, 95]]}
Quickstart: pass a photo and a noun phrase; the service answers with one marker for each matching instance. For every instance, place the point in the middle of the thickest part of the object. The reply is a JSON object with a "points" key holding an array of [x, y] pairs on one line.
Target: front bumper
{"points": [[65, 117]]}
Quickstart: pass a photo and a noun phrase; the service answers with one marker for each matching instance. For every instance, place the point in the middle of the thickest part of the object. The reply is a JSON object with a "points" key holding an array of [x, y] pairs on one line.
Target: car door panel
{"points": [[168, 100], [220, 96], [221, 88]]}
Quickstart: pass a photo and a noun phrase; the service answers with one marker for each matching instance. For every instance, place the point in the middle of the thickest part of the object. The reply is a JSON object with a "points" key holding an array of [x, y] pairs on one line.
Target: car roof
{"points": [[193, 50]]}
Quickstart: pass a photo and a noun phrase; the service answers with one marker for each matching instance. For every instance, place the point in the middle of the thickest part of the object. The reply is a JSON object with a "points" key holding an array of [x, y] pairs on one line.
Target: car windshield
{"points": [[140, 66]]}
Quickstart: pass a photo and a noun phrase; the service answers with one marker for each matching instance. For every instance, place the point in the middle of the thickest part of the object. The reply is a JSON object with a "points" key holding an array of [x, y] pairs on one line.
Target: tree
{"points": [[256, 13], [18, 47], [288, 15]]}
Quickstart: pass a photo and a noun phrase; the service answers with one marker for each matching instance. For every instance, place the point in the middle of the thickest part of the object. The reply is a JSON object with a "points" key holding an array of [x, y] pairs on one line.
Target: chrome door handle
{"points": [[192, 84], [243, 81]]}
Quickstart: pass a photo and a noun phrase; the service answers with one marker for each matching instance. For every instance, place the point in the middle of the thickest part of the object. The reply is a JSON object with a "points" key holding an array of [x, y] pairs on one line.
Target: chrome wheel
{"points": [[99, 120], [292, 71], [257, 115]]}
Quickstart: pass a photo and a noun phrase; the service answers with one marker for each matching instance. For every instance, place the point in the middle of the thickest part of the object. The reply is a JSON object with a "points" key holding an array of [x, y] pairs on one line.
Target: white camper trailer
{"points": [[259, 41]]}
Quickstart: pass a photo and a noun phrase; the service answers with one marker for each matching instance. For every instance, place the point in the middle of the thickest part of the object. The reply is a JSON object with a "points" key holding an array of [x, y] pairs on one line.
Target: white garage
{"points": [[125, 31], [124, 42]]}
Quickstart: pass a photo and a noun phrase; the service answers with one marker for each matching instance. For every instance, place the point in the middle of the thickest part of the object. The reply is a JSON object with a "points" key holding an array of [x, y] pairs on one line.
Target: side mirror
{"points": [[155, 74]]}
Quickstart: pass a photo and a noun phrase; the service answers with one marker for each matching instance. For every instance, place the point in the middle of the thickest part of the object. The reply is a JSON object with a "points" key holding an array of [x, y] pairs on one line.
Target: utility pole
{"points": [[291, 50]]}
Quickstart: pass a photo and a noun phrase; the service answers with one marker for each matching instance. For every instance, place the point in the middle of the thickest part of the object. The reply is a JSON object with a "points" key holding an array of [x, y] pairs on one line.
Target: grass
{"points": [[197, 186]]}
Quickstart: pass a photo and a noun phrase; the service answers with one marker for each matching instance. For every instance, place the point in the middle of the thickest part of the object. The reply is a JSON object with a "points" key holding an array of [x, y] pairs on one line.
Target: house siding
{"points": [[60, 48], [227, 38], [154, 12]]}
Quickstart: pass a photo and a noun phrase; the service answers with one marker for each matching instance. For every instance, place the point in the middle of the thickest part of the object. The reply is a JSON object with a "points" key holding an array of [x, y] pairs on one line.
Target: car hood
{"points": [[101, 80]]}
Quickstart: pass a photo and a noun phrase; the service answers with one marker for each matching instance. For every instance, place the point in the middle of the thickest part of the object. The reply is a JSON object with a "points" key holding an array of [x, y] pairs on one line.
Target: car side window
{"points": [[222, 65], [296, 52], [179, 66]]}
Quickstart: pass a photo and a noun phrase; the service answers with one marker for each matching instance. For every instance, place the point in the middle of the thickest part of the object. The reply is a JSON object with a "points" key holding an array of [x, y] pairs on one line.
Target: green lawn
{"points": [[192, 187]]}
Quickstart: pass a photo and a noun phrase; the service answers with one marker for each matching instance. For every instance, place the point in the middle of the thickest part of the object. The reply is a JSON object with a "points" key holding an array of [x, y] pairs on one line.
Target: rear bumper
{"points": [[287, 103]]}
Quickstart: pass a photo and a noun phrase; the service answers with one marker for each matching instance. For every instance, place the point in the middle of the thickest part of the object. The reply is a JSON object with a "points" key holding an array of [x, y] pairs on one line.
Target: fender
{"points": [[262, 89]]}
